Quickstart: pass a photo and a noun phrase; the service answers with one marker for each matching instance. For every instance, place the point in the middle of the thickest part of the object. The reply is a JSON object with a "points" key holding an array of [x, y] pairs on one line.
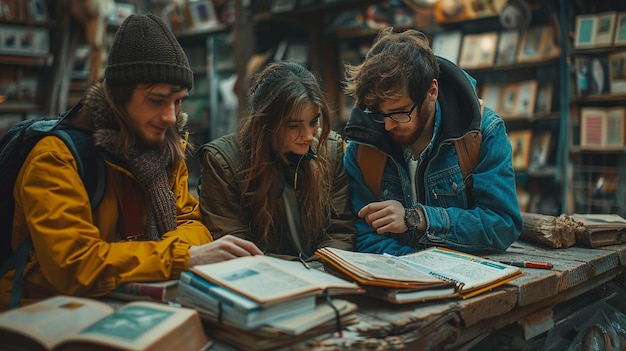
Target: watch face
{"points": [[411, 218]]}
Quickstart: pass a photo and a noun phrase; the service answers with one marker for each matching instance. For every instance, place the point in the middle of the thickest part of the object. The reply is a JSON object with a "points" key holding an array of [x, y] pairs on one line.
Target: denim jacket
{"points": [[493, 220]]}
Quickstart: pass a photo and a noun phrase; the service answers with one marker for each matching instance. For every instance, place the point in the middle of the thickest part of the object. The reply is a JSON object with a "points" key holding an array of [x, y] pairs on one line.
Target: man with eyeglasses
{"points": [[412, 107]]}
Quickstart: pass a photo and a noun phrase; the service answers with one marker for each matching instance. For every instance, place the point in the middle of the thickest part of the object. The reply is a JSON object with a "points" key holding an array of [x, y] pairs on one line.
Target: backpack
{"points": [[371, 161], [15, 146]]}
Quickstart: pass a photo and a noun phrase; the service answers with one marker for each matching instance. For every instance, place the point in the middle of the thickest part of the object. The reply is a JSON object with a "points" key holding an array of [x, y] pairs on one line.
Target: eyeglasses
{"points": [[400, 117]]}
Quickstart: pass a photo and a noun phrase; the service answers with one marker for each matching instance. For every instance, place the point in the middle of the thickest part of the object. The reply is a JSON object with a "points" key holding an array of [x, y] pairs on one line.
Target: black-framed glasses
{"points": [[400, 117]]}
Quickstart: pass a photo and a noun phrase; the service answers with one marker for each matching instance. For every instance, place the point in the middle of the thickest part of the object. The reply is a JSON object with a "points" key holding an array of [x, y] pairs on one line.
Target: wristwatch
{"points": [[412, 219]]}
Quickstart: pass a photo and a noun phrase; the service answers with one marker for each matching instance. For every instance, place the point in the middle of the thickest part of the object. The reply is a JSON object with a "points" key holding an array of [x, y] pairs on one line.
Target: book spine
{"points": [[218, 292], [142, 290]]}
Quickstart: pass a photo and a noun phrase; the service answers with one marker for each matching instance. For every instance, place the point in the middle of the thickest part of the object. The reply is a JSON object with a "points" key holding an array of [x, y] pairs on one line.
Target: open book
{"points": [[268, 280], [597, 230], [65, 323], [434, 273]]}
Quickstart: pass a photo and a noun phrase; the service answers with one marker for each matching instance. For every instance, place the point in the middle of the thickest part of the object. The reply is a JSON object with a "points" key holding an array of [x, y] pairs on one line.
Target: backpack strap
{"points": [[371, 161], [91, 168]]}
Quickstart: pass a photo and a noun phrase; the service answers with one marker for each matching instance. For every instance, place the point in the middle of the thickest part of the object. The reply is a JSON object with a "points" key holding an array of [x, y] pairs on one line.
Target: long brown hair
{"points": [[279, 91]]}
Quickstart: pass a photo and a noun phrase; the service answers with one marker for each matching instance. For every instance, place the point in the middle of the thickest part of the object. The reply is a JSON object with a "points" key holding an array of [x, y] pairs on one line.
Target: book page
{"points": [[144, 325], [256, 278], [317, 277], [381, 266], [471, 271], [52, 320]]}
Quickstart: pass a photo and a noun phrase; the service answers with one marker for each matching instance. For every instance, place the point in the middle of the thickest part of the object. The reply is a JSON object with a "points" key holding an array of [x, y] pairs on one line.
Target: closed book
{"points": [[217, 309], [157, 291]]}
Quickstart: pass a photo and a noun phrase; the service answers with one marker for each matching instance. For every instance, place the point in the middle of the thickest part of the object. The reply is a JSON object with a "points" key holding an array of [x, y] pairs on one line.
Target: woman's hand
{"points": [[222, 249]]}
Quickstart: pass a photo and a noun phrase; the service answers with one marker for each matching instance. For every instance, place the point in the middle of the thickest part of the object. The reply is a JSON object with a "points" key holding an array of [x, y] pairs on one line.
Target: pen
{"points": [[530, 264]]}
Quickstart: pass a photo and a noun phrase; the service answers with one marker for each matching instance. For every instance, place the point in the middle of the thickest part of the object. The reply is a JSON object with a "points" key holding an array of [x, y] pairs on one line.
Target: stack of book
{"points": [[266, 301], [434, 273]]}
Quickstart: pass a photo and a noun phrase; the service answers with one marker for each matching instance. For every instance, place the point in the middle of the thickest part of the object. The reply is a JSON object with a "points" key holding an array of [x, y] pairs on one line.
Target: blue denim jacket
{"points": [[491, 224]]}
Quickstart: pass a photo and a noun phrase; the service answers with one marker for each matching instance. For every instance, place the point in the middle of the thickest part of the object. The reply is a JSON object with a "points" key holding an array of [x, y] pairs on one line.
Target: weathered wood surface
{"points": [[454, 324], [556, 232]]}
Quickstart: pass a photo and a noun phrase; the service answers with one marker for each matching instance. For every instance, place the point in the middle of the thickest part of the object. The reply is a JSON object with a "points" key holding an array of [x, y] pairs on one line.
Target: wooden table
{"points": [[527, 303]]}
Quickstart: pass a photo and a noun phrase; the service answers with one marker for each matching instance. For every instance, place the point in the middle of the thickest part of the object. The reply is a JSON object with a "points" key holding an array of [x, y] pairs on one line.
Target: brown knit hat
{"points": [[146, 51]]}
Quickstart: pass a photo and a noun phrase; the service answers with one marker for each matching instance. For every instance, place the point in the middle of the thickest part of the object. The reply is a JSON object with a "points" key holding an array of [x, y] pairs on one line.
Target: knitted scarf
{"points": [[149, 168], [147, 164]]}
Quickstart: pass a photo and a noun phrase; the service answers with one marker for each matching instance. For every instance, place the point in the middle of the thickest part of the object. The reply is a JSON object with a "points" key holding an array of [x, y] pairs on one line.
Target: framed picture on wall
{"points": [[37, 10], [605, 28], [520, 142], [525, 101], [202, 15], [617, 69], [585, 31], [620, 29], [531, 47], [508, 100], [448, 44], [543, 102], [540, 149], [506, 54], [490, 94], [478, 50]]}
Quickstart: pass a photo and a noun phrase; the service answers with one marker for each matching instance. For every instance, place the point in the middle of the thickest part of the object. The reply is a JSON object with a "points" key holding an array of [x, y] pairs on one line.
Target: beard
{"points": [[407, 133]]}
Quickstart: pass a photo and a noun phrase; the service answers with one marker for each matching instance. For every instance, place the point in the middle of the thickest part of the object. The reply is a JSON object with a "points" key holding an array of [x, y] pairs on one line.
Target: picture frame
{"points": [[448, 44], [617, 69], [508, 100], [541, 148], [525, 100], [543, 101], [37, 10], [531, 45], [120, 12], [550, 48], [585, 31], [605, 29], [490, 94], [620, 29], [278, 6], [478, 50], [506, 53], [80, 68], [602, 128], [520, 144], [202, 15]]}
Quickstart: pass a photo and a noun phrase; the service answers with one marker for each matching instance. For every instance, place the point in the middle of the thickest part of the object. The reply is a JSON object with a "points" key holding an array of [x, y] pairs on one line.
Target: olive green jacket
{"points": [[220, 196]]}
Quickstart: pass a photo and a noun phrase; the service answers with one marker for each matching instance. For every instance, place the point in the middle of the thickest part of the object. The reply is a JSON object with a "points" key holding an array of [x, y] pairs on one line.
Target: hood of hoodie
{"points": [[460, 112]]}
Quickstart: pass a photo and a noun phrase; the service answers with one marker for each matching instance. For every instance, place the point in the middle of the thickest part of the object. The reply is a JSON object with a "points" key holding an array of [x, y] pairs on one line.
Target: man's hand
{"points": [[222, 249], [385, 216]]}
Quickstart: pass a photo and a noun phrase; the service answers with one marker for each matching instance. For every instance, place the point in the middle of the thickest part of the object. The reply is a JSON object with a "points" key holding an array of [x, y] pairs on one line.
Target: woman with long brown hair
{"points": [[279, 180]]}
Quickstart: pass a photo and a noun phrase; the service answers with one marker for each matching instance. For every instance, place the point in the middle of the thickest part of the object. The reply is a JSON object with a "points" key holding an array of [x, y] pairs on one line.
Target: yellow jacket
{"points": [[80, 252]]}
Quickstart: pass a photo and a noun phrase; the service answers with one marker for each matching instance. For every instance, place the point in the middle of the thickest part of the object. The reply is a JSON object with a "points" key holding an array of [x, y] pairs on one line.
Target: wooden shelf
{"points": [[34, 61], [18, 107]]}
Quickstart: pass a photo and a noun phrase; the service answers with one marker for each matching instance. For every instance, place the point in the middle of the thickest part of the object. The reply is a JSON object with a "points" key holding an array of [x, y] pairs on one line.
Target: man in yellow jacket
{"points": [[147, 226]]}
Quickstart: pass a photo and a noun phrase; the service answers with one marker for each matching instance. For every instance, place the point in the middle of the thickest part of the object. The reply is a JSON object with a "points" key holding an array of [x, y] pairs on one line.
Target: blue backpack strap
{"points": [[18, 259]]}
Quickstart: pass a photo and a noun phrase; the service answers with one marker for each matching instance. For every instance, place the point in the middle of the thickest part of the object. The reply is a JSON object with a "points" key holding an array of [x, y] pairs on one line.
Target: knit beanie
{"points": [[146, 51]]}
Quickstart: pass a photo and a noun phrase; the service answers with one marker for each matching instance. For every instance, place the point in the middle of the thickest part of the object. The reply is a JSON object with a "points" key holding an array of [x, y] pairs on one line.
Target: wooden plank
{"points": [[491, 304]]}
